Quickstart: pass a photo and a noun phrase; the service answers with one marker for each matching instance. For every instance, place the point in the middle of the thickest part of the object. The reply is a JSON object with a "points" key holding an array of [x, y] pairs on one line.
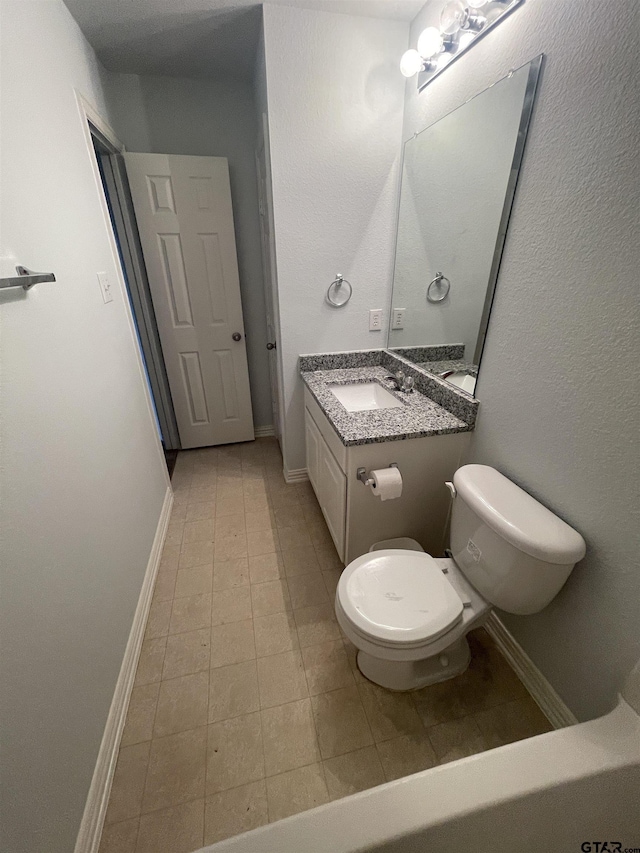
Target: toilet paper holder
{"points": [[361, 474]]}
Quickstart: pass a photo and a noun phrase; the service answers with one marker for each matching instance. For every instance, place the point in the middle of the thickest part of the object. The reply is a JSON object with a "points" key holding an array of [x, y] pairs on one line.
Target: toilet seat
{"points": [[398, 598]]}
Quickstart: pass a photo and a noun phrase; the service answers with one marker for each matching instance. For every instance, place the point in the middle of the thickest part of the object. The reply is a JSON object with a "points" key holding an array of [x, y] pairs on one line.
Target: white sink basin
{"points": [[462, 380], [364, 396]]}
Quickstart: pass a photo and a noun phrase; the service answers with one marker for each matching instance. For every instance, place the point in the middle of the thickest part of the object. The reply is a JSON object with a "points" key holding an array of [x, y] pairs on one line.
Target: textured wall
{"points": [[335, 117], [559, 406], [169, 115], [82, 477]]}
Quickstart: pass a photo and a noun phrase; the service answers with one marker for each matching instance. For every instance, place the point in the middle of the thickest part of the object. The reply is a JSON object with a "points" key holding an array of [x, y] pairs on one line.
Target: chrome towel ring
{"points": [[339, 291], [439, 278]]}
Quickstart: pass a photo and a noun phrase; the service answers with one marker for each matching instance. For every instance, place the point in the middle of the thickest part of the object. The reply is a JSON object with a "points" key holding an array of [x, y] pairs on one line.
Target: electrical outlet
{"points": [[375, 319], [397, 318], [105, 287]]}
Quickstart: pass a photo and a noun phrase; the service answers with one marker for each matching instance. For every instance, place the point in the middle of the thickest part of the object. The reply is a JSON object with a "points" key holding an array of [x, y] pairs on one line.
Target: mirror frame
{"points": [[533, 80]]}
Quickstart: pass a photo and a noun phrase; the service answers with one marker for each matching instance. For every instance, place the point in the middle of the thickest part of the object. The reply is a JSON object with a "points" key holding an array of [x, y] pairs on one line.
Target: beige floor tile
{"points": [[300, 561], [255, 504], [165, 585], [266, 567], [328, 557], [307, 590], [296, 791], [407, 754], [389, 714], [231, 605], [186, 653], [489, 680], [316, 624], [194, 581], [182, 704], [291, 516], [234, 753], [138, 726], [331, 579], [274, 634], [158, 621], [340, 722], [190, 613], [270, 597], [229, 504], [319, 532], [179, 511], [233, 691], [456, 739], [169, 558], [198, 531], [119, 837], [511, 722], [177, 767], [151, 661], [326, 667], [260, 520], [355, 771], [175, 533], [201, 510], [262, 542], [289, 737], [352, 654], [204, 493], [294, 537], [439, 703], [255, 484], [194, 554], [232, 643], [230, 548], [230, 525], [128, 783], [281, 679], [176, 830], [235, 811], [230, 573]]}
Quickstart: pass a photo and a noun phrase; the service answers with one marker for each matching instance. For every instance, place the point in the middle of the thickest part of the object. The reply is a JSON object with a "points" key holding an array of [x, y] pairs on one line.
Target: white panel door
{"points": [[185, 219]]}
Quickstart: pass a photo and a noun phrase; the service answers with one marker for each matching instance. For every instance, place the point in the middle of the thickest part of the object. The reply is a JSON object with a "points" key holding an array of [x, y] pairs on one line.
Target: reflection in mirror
{"points": [[458, 181]]}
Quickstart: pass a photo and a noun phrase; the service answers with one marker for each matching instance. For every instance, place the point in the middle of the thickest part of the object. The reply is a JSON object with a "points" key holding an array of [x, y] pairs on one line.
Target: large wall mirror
{"points": [[458, 182]]}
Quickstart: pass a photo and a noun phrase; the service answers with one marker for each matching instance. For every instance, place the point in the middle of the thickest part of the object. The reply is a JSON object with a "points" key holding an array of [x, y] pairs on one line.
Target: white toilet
{"points": [[408, 614]]}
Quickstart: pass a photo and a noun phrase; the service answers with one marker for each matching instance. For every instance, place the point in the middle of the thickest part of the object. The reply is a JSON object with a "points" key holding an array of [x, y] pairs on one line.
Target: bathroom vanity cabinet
{"points": [[356, 518]]}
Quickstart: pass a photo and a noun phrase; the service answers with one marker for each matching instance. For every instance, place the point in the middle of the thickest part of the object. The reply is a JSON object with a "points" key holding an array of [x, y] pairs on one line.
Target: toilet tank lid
{"points": [[517, 517]]}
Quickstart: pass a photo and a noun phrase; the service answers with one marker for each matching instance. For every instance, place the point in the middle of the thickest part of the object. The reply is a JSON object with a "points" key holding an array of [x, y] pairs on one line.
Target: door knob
{"points": [[271, 346], [236, 336]]}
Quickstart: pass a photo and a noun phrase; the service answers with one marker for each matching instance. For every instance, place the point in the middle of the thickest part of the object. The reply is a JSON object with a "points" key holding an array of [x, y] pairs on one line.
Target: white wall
{"points": [[81, 475], [557, 414], [335, 118], [170, 115]]}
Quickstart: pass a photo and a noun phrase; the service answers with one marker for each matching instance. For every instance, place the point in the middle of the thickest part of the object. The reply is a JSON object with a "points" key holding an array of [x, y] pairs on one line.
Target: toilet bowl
{"points": [[408, 613]]}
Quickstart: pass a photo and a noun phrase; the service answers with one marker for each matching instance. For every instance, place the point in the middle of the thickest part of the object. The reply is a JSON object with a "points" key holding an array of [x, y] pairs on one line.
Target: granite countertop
{"points": [[439, 367], [419, 416]]}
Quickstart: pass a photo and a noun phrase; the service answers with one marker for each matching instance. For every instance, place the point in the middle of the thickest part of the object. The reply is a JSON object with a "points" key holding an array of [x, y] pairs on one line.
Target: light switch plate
{"points": [[375, 319], [397, 318], [105, 287]]}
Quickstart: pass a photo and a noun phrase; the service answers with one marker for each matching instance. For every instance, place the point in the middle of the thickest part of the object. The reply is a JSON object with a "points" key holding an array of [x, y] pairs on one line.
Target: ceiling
{"points": [[198, 38]]}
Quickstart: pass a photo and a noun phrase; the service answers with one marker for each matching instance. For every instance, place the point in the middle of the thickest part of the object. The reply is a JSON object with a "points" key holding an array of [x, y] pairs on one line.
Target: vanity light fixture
{"points": [[461, 23]]}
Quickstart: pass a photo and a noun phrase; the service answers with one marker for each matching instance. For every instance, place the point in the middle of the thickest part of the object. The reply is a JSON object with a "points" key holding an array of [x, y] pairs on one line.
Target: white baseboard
{"points": [[295, 475], [88, 839], [264, 431], [545, 696]]}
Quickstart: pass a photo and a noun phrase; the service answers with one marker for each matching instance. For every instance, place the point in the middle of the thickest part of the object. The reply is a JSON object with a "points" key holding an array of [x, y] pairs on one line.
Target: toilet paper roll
{"points": [[387, 483]]}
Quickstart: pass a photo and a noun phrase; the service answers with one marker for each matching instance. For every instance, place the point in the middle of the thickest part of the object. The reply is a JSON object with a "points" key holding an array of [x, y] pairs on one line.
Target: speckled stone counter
{"points": [[418, 417], [439, 367]]}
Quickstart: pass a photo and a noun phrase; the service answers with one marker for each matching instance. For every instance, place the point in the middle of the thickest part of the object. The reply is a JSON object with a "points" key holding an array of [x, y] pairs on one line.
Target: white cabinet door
{"points": [[185, 219], [333, 491], [313, 443]]}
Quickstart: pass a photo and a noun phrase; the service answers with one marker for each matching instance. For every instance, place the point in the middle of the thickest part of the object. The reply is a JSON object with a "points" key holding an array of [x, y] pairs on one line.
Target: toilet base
{"points": [[414, 674]]}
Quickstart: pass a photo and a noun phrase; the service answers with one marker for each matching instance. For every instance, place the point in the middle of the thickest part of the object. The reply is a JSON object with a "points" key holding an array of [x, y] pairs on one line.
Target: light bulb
{"points": [[410, 63], [429, 42], [476, 4], [453, 17]]}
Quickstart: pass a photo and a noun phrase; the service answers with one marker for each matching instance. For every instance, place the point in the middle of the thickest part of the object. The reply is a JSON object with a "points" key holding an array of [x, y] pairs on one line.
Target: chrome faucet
{"points": [[402, 382]]}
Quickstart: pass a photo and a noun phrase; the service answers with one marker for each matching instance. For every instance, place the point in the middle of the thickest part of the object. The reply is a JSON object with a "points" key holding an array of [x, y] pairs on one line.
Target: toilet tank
{"points": [[511, 548]]}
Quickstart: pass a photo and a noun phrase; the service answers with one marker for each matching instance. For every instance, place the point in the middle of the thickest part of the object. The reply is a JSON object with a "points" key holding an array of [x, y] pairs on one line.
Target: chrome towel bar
{"points": [[26, 278]]}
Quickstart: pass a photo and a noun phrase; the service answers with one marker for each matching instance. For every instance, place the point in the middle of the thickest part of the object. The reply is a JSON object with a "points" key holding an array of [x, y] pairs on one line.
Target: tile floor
{"points": [[248, 705]]}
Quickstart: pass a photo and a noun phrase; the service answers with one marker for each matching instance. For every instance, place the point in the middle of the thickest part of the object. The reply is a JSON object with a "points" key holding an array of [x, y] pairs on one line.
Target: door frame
{"points": [[123, 232], [270, 271]]}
